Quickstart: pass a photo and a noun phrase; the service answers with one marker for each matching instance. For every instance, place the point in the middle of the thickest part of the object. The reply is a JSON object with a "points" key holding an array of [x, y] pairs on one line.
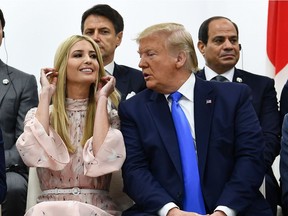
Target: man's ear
{"points": [[119, 38], [201, 47], [181, 59]]}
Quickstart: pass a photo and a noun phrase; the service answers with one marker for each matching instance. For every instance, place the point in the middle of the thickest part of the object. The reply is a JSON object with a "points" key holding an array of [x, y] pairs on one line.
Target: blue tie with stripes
{"points": [[193, 199]]}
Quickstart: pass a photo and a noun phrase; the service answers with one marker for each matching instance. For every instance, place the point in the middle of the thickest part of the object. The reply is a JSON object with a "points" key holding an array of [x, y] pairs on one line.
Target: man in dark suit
{"points": [[105, 25], [218, 43], [227, 135], [3, 185], [284, 101], [18, 93]]}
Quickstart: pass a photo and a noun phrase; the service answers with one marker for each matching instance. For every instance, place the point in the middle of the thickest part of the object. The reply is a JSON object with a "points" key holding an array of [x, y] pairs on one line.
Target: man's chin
{"points": [[229, 62]]}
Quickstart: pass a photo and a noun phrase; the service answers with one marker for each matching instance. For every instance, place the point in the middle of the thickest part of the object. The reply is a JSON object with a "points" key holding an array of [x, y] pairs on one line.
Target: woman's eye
{"points": [[93, 56], [77, 55]]}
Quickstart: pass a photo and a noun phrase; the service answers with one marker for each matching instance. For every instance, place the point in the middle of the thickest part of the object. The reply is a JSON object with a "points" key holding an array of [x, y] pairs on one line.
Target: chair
{"points": [[34, 189], [116, 193]]}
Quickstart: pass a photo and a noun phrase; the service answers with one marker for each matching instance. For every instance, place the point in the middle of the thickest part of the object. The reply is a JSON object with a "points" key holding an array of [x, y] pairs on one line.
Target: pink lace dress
{"points": [[57, 168]]}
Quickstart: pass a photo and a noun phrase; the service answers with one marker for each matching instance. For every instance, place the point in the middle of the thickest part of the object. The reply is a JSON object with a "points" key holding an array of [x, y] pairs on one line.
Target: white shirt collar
{"points": [[210, 74], [110, 67], [187, 89]]}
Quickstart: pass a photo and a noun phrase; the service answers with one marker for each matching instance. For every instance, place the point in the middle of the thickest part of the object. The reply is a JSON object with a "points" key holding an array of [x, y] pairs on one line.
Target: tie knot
{"points": [[175, 96], [220, 78]]}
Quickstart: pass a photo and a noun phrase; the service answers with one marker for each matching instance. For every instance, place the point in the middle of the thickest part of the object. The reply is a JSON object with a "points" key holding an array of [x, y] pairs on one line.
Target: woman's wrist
{"points": [[102, 95], [45, 95]]}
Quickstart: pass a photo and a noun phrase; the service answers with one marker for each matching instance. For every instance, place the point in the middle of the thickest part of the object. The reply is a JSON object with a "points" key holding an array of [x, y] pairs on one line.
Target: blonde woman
{"points": [[75, 143]]}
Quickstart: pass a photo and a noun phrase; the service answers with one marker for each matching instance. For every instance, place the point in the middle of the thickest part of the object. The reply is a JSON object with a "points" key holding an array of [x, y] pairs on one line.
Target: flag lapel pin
{"points": [[208, 101]]}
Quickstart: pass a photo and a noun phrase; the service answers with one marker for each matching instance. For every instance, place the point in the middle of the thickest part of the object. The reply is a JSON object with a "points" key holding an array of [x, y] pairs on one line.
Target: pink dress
{"points": [[57, 168]]}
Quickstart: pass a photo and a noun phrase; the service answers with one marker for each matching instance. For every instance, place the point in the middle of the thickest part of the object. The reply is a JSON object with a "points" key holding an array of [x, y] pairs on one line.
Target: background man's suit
{"points": [[128, 80], [3, 186], [284, 101], [265, 103], [229, 146], [18, 93]]}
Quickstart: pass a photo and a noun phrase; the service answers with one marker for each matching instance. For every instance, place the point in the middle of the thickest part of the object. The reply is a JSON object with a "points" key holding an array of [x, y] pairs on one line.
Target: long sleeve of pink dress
{"points": [[57, 168]]}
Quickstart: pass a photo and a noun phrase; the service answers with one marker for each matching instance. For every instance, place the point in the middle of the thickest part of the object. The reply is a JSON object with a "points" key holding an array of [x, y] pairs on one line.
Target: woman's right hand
{"points": [[48, 80]]}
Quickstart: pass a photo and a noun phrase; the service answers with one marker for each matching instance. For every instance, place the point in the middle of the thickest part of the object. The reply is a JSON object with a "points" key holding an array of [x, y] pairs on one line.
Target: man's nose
{"points": [[228, 44]]}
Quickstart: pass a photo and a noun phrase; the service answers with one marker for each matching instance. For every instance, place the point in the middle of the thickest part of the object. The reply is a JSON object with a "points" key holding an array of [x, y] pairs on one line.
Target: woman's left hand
{"points": [[106, 86]]}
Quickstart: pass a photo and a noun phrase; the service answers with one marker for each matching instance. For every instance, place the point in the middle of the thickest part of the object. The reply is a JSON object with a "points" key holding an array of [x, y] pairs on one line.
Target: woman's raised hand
{"points": [[48, 80], [106, 86]]}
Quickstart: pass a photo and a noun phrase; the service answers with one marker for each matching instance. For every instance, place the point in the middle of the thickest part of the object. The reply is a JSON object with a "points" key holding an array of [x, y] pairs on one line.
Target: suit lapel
{"points": [[203, 112], [122, 78], [3, 76], [204, 100], [201, 74], [159, 109], [238, 76]]}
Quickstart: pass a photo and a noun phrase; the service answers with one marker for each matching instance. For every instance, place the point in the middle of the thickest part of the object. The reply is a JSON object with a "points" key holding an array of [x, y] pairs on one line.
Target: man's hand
{"points": [[178, 212]]}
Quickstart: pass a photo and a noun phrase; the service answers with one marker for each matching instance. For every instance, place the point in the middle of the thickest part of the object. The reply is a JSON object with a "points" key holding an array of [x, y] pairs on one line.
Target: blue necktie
{"points": [[193, 199]]}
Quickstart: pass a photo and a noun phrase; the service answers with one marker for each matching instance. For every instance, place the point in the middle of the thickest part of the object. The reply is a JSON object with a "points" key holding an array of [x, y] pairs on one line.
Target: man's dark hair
{"points": [[204, 28], [2, 20], [105, 11]]}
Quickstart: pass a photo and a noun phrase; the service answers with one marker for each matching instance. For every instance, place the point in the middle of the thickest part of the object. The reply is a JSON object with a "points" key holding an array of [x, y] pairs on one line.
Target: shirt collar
{"points": [[210, 74], [110, 67], [187, 89]]}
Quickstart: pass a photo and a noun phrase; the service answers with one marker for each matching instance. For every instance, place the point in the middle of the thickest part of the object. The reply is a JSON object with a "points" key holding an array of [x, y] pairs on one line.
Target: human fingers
{"points": [[47, 71]]}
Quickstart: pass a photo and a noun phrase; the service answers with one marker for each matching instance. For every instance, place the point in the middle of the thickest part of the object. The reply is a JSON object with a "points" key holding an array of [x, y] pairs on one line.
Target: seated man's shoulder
{"points": [[230, 90], [129, 69], [20, 74], [253, 76]]}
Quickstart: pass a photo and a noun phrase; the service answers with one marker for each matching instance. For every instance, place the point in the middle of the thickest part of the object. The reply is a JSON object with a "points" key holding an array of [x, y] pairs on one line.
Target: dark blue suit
{"points": [[3, 186], [284, 101], [128, 80], [264, 101], [229, 146], [284, 165]]}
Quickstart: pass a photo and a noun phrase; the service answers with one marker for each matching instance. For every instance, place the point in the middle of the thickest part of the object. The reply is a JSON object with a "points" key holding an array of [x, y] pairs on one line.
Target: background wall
{"points": [[35, 28]]}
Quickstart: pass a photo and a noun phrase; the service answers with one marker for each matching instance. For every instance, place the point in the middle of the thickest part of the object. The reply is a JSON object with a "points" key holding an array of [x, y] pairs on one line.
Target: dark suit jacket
{"points": [[265, 103], [3, 186], [284, 165], [284, 101], [128, 80], [229, 146], [16, 98]]}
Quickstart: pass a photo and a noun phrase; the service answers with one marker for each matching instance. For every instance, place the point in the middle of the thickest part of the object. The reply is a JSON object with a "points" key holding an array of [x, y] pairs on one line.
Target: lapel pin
{"points": [[5, 81], [238, 79], [209, 101]]}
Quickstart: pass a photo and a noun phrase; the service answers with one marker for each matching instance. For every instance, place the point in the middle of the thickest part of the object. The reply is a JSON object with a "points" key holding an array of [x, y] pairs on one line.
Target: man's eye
{"points": [[150, 54], [218, 41], [105, 32]]}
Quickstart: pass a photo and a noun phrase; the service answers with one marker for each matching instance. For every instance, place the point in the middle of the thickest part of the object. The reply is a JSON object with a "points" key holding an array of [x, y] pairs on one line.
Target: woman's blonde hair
{"points": [[59, 117]]}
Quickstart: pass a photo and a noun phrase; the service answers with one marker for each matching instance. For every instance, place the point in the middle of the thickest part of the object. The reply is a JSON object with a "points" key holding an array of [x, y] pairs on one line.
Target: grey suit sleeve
{"points": [[27, 98]]}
